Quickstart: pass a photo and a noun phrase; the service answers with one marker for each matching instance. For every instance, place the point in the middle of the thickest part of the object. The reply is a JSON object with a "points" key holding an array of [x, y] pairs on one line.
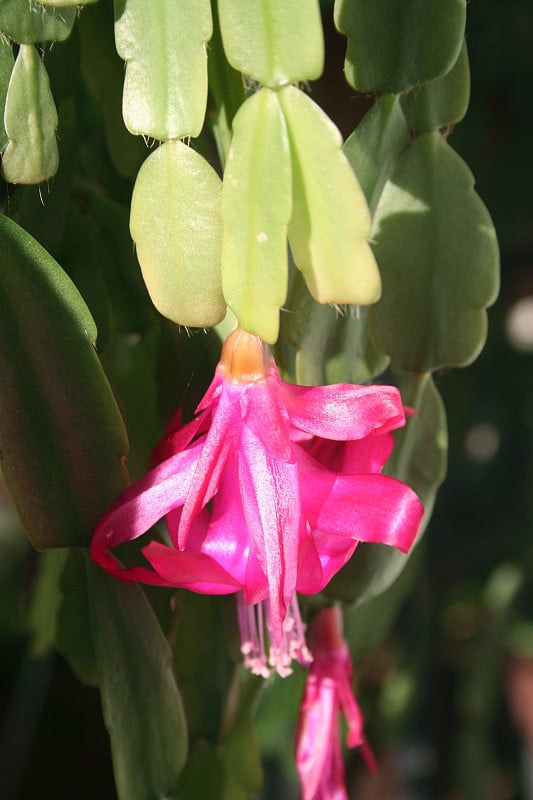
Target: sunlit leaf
{"points": [[164, 46], [30, 120], [275, 43], [62, 440], [375, 146], [176, 225], [64, 3], [437, 251], [26, 24], [140, 699], [393, 46], [330, 222], [6, 66], [256, 208], [442, 101]]}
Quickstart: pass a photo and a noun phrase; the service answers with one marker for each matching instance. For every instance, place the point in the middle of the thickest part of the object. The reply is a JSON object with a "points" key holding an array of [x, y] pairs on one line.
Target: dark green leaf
{"points": [[438, 255], [200, 639], [239, 749], [74, 633], [41, 210], [442, 101], [45, 602], [203, 776], [62, 440], [130, 362], [22, 22], [140, 699], [393, 45]]}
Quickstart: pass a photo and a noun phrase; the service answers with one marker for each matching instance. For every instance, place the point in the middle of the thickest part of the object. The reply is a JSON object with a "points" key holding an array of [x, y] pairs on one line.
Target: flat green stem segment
{"points": [[62, 441], [64, 3], [176, 225], [28, 23], [140, 700], [275, 43], [256, 208], [164, 46], [30, 120], [438, 256], [440, 102], [375, 146], [6, 66], [393, 45], [330, 223]]}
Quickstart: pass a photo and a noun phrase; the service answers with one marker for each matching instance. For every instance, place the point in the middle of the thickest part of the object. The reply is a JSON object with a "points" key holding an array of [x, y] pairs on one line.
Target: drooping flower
{"points": [[266, 492], [328, 694]]}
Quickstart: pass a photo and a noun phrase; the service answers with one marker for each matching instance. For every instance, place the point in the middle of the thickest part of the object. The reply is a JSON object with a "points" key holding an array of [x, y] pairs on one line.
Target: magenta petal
{"points": [[366, 508], [334, 551], [146, 502], [227, 540], [358, 455], [343, 411], [217, 446], [195, 571], [317, 737], [270, 496]]}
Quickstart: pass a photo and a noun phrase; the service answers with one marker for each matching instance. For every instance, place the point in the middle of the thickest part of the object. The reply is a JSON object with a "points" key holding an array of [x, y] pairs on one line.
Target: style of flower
{"points": [[328, 694], [266, 492]]}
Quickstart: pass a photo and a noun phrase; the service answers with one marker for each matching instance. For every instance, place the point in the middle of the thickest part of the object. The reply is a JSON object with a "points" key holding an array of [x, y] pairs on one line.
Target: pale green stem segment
{"points": [[274, 43], [256, 208], [64, 3], [26, 23], [164, 46], [6, 67], [30, 119], [177, 227], [330, 223]]}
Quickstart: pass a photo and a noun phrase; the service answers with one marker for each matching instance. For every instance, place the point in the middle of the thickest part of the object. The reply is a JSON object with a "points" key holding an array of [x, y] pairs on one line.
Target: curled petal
{"points": [[343, 411], [365, 508], [195, 571], [146, 502]]}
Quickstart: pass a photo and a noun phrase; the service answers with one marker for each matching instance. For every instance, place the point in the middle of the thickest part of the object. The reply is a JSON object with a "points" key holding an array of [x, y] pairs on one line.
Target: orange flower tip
{"points": [[244, 358]]}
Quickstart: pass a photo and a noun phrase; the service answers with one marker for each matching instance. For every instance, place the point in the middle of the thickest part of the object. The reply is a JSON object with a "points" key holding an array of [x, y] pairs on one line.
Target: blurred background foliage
{"points": [[447, 690]]}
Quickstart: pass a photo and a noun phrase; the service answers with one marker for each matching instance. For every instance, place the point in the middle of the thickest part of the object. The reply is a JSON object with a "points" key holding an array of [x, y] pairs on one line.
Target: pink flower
{"points": [[327, 694], [266, 492]]}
